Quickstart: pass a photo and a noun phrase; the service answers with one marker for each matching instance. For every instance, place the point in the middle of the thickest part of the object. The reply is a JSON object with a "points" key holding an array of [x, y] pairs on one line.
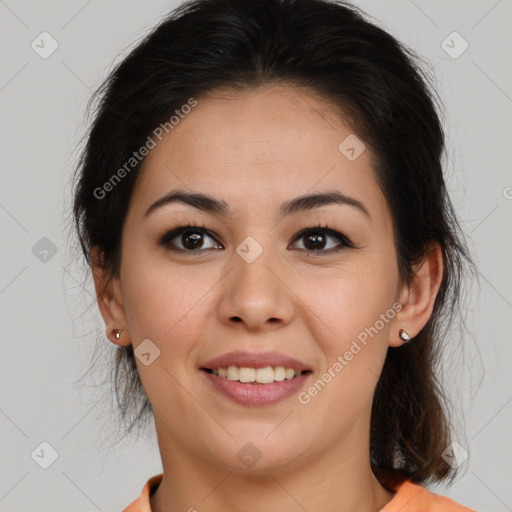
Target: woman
{"points": [[262, 204]]}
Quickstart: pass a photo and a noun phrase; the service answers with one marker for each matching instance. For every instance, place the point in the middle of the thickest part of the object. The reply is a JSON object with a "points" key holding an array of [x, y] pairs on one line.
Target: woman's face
{"points": [[253, 283]]}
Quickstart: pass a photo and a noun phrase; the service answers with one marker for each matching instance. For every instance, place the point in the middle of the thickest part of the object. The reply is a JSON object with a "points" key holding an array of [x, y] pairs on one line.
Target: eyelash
{"points": [[182, 228]]}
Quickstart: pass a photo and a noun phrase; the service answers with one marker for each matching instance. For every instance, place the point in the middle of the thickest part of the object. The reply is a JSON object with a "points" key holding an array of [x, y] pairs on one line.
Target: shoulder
{"points": [[408, 497], [142, 503], [416, 498]]}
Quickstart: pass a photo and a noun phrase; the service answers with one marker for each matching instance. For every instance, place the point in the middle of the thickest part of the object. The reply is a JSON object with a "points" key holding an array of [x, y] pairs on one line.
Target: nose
{"points": [[256, 295]]}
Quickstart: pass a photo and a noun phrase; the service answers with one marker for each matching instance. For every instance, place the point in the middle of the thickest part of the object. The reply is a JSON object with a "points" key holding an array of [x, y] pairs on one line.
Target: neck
{"points": [[338, 480]]}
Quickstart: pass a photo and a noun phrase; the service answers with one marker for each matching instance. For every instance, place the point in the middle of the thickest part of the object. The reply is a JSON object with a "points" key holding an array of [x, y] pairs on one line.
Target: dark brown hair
{"points": [[330, 48]]}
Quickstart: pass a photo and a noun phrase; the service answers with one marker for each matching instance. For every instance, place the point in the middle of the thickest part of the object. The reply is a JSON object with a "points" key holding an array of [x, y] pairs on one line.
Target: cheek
{"points": [[351, 321], [354, 344], [348, 301], [164, 301]]}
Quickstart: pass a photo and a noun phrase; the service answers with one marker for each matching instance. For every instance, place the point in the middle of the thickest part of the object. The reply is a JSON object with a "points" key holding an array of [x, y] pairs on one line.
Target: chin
{"points": [[258, 455]]}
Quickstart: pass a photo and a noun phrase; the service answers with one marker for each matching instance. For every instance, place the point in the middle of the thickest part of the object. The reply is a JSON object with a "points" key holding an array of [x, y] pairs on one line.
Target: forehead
{"points": [[266, 144]]}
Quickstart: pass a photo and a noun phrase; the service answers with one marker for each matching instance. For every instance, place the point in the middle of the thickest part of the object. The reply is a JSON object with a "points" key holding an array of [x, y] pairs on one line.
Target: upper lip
{"points": [[254, 360]]}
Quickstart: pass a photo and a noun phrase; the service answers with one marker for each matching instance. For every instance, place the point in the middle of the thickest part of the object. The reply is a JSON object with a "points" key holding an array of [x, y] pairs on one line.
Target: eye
{"points": [[316, 239], [191, 238]]}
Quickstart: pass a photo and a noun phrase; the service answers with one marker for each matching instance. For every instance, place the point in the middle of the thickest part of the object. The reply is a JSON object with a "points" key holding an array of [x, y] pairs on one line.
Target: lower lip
{"points": [[256, 394]]}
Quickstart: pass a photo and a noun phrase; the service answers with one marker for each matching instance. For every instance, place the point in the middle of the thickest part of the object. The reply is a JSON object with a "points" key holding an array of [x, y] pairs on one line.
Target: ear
{"points": [[110, 299], [417, 298]]}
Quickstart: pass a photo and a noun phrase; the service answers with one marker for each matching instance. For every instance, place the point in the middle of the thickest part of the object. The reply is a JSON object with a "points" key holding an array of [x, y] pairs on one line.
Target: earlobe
{"points": [[404, 335], [109, 300], [418, 297]]}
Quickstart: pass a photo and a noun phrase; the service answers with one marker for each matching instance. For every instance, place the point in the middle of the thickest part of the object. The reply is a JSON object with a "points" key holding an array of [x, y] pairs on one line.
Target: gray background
{"points": [[49, 328]]}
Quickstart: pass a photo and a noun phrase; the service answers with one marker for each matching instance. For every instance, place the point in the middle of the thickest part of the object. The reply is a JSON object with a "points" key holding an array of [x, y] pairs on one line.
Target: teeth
{"points": [[264, 375], [246, 374], [232, 373], [279, 373]]}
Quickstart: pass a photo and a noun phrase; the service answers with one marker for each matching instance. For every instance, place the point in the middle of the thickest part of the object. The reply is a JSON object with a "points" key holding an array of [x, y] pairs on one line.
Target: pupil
{"points": [[193, 241], [195, 237], [317, 243]]}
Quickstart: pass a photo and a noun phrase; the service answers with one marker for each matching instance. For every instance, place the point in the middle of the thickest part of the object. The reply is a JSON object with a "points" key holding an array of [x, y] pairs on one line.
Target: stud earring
{"points": [[404, 335], [117, 333]]}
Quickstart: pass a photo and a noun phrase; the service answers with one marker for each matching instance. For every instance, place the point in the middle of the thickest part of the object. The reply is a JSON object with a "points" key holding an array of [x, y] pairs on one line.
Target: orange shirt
{"points": [[409, 497]]}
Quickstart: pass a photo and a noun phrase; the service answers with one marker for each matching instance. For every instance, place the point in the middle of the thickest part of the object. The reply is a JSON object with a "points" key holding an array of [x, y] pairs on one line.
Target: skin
{"points": [[255, 150]]}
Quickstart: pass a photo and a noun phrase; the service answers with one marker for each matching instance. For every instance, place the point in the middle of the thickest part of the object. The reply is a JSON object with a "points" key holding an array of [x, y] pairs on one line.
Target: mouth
{"points": [[255, 379], [261, 376], [241, 384]]}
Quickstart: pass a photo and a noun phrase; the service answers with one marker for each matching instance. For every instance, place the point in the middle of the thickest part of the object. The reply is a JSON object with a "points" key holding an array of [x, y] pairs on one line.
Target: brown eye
{"points": [[316, 239], [191, 239]]}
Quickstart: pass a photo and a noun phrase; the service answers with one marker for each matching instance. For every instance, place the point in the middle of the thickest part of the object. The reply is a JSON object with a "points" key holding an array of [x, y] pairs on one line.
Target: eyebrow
{"points": [[209, 204]]}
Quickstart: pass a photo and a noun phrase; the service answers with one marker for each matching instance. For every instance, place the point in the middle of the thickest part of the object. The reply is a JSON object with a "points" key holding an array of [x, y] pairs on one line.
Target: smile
{"points": [[265, 375], [253, 393]]}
